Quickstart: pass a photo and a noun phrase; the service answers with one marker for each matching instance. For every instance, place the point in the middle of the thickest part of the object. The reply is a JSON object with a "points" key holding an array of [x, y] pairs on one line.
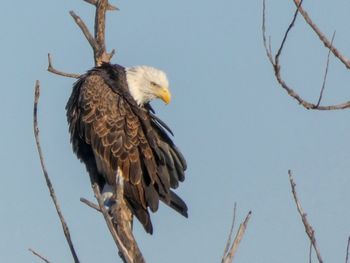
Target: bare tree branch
{"points": [[51, 69], [38, 255], [228, 258], [347, 251], [120, 228], [308, 228], [92, 41], [46, 175], [322, 36], [228, 243], [100, 25], [274, 60], [98, 42]]}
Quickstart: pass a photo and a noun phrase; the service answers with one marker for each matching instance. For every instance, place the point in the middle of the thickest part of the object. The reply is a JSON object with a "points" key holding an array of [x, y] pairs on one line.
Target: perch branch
{"points": [[51, 69], [328, 44], [308, 228], [228, 257], [126, 244], [274, 60], [38, 255], [46, 175]]}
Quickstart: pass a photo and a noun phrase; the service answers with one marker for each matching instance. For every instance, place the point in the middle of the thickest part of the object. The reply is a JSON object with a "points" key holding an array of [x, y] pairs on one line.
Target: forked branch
{"points": [[231, 247], [275, 61], [96, 41]]}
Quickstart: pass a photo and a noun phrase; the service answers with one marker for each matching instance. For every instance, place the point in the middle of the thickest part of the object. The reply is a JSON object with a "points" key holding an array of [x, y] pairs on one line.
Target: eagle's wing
{"points": [[108, 128]]}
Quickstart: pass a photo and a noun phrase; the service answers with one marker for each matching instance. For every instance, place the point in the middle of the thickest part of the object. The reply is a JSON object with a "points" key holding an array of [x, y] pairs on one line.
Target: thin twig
{"points": [[38, 255], [229, 239], [46, 175], [267, 47], [51, 69], [86, 32], [322, 36], [325, 74], [240, 233], [347, 251], [277, 71], [90, 204], [286, 33], [308, 228]]}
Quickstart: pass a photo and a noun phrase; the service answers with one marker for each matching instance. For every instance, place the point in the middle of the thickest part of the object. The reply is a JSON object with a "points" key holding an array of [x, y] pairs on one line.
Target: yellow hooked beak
{"points": [[164, 95]]}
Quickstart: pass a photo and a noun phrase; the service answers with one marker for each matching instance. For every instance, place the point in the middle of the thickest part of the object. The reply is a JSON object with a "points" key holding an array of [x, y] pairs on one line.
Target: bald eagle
{"points": [[116, 133]]}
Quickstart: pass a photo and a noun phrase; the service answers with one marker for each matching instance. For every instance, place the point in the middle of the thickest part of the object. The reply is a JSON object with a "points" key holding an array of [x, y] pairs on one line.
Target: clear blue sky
{"points": [[238, 129]]}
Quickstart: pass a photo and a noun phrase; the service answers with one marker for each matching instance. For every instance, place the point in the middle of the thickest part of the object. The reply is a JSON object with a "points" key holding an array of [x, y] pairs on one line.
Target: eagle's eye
{"points": [[154, 84]]}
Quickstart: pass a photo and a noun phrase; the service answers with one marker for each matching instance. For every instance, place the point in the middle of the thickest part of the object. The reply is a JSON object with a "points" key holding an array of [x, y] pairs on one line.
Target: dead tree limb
{"points": [[308, 228], [97, 42], [92, 41], [51, 69], [46, 175], [328, 44], [120, 228], [275, 62], [230, 249]]}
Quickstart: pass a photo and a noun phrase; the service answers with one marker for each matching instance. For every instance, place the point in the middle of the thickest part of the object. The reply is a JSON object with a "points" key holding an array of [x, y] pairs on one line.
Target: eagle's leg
{"points": [[107, 193]]}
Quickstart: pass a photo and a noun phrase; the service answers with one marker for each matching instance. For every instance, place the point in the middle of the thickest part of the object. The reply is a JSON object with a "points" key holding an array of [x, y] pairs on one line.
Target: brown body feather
{"points": [[110, 131]]}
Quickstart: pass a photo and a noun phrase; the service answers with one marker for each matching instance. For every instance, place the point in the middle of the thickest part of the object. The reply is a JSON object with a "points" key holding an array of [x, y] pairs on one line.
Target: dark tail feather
{"points": [[143, 216], [178, 204]]}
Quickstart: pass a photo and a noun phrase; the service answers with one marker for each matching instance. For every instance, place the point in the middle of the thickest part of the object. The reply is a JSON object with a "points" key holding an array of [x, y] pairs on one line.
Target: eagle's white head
{"points": [[147, 83]]}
